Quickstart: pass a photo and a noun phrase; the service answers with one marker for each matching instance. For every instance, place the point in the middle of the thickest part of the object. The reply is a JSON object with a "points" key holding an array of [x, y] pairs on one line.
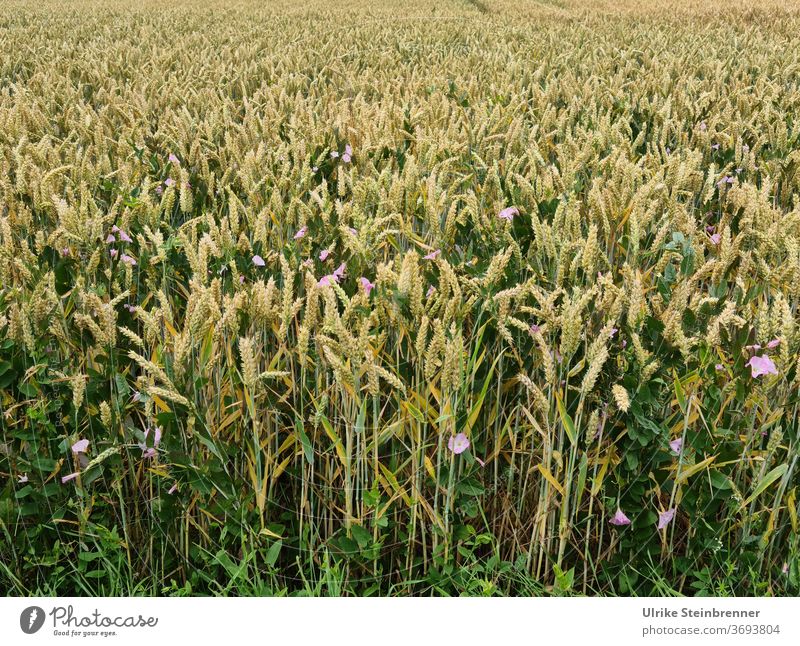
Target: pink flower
{"points": [[479, 461], [71, 476], [716, 238], [301, 232], [339, 271], [773, 344], [258, 261], [458, 443], [80, 446], [334, 154], [110, 239], [173, 159], [157, 436], [719, 366], [124, 237], [65, 252], [22, 479], [762, 366], [307, 263], [128, 260], [173, 489], [169, 181], [327, 281], [323, 255], [353, 231], [785, 568], [430, 292], [348, 150], [620, 518], [159, 190], [113, 253], [676, 445], [241, 280], [508, 213], [755, 346], [535, 328], [665, 517], [432, 255], [368, 286], [702, 125], [346, 158], [613, 332], [148, 452]]}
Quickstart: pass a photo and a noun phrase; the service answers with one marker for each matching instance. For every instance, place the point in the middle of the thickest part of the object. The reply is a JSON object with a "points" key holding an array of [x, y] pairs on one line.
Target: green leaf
{"points": [[361, 535], [566, 420], [273, 552], [771, 477]]}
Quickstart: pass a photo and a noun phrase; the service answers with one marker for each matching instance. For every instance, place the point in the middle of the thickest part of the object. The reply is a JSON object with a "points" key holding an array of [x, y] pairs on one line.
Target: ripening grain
{"points": [[381, 297]]}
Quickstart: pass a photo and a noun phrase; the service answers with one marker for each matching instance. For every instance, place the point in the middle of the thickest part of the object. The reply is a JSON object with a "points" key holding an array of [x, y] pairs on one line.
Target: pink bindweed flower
{"points": [[719, 366], [348, 150], [65, 251], [301, 232], [80, 446], [136, 396], [676, 445], [346, 158], [307, 263], [773, 344], [785, 568], [113, 253], [241, 280], [479, 461], [458, 443], [22, 479], [716, 238], [613, 332], [431, 291], [169, 181], [620, 518], [314, 169], [323, 255], [353, 231], [130, 308], [71, 476], [703, 125], [508, 213], [110, 238], [128, 260], [124, 237], [173, 159], [258, 261], [334, 154], [173, 489], [328, 281], [159, 190], [339, 271], [148, 452], [432, 255], [535, 328], [665, 517], [367, 285], [715, 147], [762, 366]]}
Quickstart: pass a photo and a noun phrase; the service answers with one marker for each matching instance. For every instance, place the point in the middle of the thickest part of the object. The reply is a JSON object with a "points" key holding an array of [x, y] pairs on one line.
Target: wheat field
{"points": [[390, 298]]}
